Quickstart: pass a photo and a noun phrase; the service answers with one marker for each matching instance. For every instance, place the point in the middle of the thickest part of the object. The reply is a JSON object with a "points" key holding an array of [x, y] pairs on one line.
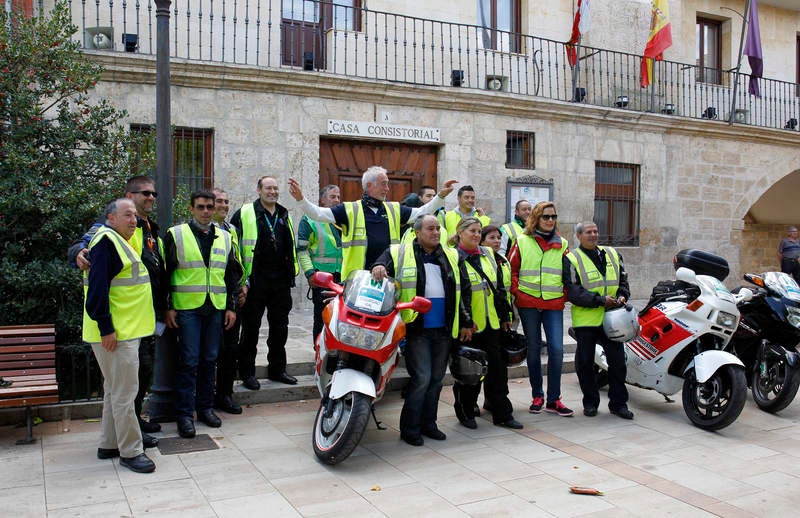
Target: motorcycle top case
{"points": [[702, 263]]}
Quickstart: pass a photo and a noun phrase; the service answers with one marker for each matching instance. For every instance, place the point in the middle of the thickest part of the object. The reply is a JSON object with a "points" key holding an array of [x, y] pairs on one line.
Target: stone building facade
{"points": [[730, 189]]}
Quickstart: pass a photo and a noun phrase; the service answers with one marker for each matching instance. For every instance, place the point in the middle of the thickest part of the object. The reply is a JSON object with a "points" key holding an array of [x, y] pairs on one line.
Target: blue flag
{"points": [[752, 49]]}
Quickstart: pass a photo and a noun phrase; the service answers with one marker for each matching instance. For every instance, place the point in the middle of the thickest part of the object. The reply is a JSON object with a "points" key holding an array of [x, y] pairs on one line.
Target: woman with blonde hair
{"points": [[536, 282], [485, 296]]}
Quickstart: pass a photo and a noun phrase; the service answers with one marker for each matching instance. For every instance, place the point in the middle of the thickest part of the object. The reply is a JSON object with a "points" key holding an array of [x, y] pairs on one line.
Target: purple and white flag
{"points": [[752, 49]]}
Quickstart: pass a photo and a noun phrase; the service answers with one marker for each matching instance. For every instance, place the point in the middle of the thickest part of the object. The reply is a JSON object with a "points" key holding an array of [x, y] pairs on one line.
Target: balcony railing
{"points": [[334, 37]]}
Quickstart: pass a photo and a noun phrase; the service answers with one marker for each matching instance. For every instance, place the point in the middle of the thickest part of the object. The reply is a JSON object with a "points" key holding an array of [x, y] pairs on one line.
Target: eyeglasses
{"points": [[200, 206], [552, 217], [147, 194]]}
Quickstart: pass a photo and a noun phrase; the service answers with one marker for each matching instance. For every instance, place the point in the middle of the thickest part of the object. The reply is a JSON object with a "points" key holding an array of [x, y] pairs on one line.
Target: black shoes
{"points": [[511, 423], [250, 382], [210, 418], [140, 463], [284, 378], [148, 441], [413, 440], [590, 412], [107, 453], [186, 427], [622, 412], [149, 427], [435, 434], [228, 404], [468, 422]]}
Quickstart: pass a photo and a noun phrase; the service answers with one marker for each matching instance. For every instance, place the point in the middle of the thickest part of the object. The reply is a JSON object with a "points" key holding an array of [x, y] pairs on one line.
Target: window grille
{"points": [[520, 150], [616, 203]]}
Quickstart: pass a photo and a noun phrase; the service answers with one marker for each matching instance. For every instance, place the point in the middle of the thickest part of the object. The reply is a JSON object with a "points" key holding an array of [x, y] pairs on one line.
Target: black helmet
{"points": [[515, 346], [468, 365]]}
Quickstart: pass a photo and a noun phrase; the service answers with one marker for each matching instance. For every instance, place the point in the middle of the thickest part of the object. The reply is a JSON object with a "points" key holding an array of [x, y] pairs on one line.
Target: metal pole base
{"points": [[29, 439], [160, 405]]}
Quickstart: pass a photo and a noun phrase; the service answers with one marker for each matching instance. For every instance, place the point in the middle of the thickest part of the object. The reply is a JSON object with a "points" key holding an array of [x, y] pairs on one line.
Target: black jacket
{"points": [[273, 256], [579, 295]]}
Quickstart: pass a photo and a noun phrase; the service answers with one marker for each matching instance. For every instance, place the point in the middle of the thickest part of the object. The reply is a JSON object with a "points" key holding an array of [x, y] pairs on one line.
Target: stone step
{"points": [[306, 388]]}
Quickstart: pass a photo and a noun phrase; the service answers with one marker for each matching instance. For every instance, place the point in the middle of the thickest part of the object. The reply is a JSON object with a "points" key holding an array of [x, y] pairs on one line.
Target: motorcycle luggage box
{"points": [[702, 263]]}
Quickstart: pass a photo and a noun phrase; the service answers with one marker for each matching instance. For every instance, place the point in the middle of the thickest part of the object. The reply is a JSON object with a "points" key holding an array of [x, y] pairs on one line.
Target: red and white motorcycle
{"points": [[683, 330], [356, 354]]}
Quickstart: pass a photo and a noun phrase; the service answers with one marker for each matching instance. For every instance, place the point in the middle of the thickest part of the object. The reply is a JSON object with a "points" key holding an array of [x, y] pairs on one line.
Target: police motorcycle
{"points": [[677, 341], [356, 354], [767, 337]]}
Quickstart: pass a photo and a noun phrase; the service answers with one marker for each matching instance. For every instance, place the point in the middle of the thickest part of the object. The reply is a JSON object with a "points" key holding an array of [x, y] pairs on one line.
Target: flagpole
{"points": [[577, 71], [653, 90], [739, 62]]}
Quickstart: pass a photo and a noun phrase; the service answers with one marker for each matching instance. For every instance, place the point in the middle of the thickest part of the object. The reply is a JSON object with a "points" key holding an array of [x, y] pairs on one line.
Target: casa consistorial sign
{"points": [[383, 131]]}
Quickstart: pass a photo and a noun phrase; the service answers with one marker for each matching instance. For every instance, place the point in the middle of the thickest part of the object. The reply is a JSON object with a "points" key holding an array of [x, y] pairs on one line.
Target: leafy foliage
{"points": [[63, 156]]}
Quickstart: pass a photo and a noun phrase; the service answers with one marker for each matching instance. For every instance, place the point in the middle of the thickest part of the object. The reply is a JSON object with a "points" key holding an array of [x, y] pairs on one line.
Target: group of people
{"points": [[205, 286]]}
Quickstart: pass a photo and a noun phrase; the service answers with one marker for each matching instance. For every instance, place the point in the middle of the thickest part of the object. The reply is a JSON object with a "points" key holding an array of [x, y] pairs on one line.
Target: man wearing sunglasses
{"points": [[141, 190], [205, 276]]}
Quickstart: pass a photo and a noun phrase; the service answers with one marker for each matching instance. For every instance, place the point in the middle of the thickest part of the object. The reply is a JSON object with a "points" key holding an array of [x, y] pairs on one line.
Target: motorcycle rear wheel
{"points": [[337, 435], [715, 404], [776, 388]]}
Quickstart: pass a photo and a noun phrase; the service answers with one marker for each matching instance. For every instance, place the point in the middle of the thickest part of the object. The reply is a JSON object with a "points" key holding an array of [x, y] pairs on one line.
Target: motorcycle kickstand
{"points": [[375, 418], [667, 399]]}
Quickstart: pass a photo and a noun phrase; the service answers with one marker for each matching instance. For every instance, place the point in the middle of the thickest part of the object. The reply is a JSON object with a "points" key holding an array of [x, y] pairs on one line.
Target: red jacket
{"points": [[523, 300]]}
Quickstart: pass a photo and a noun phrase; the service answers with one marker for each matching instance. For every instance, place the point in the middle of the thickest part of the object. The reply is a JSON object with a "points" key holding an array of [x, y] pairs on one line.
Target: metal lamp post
{"points": [[161, 405]]}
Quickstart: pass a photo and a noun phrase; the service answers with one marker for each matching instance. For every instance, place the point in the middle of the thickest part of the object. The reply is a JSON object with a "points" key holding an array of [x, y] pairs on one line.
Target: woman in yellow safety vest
{"points": [[490, 314], [536, 283]]}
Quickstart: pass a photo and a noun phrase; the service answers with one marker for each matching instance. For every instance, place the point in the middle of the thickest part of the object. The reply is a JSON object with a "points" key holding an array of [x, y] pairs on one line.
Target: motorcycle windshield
{"points": [[367, 296], [783, 284]]}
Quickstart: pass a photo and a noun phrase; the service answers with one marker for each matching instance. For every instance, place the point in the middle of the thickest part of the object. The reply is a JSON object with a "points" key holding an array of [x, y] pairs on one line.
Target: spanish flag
{"points": [[660, 40], [580, 26]]}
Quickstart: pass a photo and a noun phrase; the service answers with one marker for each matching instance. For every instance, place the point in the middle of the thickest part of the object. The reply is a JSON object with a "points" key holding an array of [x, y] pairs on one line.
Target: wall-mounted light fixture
{"points": [[579, 95], [456, 77], [131, 42], [668, 109], [622, 101], [308, 60], [710, 113], [791, 124]]}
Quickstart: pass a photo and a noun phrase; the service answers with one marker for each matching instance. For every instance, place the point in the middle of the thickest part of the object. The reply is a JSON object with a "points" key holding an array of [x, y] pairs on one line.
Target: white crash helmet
{"points": [[621, 324]]}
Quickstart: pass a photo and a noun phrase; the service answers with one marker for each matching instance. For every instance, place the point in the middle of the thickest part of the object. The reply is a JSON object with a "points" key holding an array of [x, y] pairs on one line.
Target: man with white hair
{"points": [[371, 224]]}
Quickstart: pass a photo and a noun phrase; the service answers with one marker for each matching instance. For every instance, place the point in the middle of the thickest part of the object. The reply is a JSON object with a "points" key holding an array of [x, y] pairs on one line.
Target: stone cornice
{"points": [[194, 74]]}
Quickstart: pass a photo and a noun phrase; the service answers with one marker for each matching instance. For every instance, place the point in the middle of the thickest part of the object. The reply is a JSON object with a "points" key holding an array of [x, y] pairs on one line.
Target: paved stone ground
{"points": [[656, 465]]}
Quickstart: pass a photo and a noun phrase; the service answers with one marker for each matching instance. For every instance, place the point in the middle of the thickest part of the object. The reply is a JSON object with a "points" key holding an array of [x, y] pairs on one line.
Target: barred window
{"points": [[192, 150], [616, 203], [520, 149]]}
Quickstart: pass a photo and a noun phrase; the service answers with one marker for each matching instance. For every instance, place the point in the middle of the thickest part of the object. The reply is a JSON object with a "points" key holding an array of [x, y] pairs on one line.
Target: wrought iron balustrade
{"points": [[333, 37]]}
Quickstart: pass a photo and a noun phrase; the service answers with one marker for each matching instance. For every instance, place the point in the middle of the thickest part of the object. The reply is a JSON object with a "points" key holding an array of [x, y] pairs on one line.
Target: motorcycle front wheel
{"points": [[715, 404], [338, 429], [774, 385]]}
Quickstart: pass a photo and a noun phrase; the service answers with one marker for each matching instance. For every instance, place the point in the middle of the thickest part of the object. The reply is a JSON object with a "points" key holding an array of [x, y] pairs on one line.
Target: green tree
{"points": [[63, 156]]}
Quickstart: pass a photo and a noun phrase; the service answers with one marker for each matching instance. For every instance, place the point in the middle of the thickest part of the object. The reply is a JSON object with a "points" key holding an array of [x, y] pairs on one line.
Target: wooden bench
{"points": [[28, 361]]}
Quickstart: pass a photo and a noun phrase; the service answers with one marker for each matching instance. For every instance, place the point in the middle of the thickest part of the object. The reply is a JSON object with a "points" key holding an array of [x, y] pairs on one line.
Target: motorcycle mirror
{"points": [[418, 304], [686, 275], [325, 280], [755, 279], [744, 295]]}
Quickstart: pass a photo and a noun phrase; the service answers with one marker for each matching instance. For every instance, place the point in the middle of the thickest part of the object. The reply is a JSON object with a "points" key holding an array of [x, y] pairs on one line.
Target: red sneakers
{"points": [[558, 408], [536, 405]]}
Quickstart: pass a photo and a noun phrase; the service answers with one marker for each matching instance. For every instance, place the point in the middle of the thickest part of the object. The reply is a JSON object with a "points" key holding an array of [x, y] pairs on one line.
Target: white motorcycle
{"points": [[683, 330]]}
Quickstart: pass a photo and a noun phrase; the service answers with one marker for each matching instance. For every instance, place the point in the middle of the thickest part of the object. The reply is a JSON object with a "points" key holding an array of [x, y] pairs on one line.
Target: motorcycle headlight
{"points": [[727, 320], [359, 337], [793, 316]]}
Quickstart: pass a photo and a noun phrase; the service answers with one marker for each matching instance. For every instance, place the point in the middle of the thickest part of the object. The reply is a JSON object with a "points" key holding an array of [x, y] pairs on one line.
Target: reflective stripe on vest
{"points": [[453, 217], [130, 295], [192, 280], [354, 236], [512, 230], [405, 269], [594, 281], [325, 255], [483, 310], [249, 238], [540, 272]]}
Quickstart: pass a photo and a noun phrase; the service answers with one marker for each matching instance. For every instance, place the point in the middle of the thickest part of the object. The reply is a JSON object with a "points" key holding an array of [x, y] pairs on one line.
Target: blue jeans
{"points": [[426, 360], [200, 334], [553, 322]]}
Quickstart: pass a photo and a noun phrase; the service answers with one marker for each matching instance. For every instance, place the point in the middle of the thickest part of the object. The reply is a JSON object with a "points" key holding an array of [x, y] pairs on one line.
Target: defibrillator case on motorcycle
{"points": [[702, 263]]}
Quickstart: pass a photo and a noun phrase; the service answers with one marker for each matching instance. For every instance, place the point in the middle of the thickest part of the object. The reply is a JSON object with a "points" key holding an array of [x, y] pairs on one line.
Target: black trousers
{"points": [[227, 357], [495, 385], [318, 299], [587, 337], [276, 298], [792, 267], [147, 350]]}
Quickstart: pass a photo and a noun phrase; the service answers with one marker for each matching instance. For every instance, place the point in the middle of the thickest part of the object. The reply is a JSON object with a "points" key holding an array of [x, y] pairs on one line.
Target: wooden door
{"points": [[409, 166]]}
